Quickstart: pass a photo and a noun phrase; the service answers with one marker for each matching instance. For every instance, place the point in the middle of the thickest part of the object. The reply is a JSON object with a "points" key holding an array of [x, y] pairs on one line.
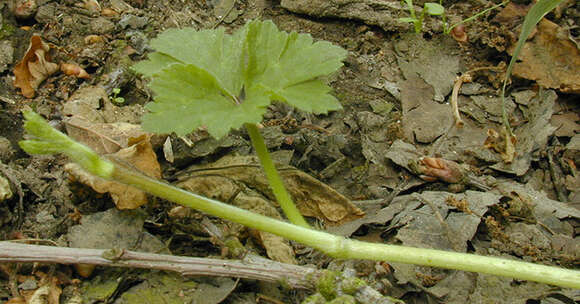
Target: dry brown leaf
{"points": [[34, 68], [226, 189], [104, 138], [72, 69], [46, 294], [550, 59], [16, 300], [312, 197], [140, 156]]}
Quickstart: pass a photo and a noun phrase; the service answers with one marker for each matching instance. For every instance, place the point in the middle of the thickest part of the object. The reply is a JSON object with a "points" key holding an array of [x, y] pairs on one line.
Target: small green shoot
{"points": [[431, 8], [222, 82], [437, 9], [47, 140], [115, 98]]}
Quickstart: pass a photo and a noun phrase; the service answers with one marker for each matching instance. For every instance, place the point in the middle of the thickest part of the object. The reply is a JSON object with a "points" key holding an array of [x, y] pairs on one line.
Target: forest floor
{"points": [[375, 158]]}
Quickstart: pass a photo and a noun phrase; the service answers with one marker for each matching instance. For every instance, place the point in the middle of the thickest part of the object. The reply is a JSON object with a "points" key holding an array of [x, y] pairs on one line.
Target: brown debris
{"points": [[551, 59], [139, 155], [72, 69], [500, 144], [433, 168], [458, 33], [34, 68]]}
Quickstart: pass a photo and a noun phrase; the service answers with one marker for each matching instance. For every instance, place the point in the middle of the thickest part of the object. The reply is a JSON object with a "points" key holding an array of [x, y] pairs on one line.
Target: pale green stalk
{"points": [[274, 179], [340, 247], [334, 246]]}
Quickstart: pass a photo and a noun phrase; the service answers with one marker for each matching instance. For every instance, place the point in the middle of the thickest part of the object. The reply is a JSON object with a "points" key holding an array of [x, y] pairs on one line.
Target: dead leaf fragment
{"points": [[433, 168], [25, 9], [34, 68], [139, 155], [312, 197], [72, 69], [49, 293], [551, 59], [503, 143]]}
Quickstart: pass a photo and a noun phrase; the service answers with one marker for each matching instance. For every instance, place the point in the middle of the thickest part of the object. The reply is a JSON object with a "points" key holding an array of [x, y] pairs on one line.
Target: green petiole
{"points": [[274, 179]]}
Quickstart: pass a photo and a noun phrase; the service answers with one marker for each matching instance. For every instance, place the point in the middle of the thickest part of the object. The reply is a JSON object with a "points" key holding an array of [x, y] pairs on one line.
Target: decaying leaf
{"points": [[312, 197], [48, 293], [140, 156], [551, 59], [433, 168], [73, 69], [503, 143], [226, 189], [34, 68], [104, 138]]}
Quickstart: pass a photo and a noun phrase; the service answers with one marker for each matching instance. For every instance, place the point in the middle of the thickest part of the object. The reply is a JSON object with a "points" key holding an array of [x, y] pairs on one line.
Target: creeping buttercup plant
{"points": [[282, 74]]}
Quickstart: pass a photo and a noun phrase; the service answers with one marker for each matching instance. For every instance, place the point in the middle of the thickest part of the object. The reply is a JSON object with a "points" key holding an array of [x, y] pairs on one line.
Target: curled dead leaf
{"points": [[458, 33], [84, 270], [34, 68], [92, 6], [139, 155], [312, 197], [434, 168], [72, 69]]}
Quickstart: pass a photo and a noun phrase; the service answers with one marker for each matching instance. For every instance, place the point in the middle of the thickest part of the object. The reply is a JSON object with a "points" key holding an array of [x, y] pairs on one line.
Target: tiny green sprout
{"points": [[431, 8], [115, 98], [437, 9], [447, 28]]}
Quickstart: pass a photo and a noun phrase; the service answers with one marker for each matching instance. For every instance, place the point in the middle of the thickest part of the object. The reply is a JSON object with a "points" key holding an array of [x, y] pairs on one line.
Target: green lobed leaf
{"points": [[219, 81], [189, 97]]}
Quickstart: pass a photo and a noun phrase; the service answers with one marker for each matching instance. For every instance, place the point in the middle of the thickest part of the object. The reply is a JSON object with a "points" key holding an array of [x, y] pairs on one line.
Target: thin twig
{"points": [[221, 18], [252, 267], [455, 95]]}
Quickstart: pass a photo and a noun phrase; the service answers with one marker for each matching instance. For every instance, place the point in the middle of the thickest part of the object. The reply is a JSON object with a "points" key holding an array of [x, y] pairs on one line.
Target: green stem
{"points": [[274, 179], [303, 235], [48, 140], [339, 247], [475, 16]]}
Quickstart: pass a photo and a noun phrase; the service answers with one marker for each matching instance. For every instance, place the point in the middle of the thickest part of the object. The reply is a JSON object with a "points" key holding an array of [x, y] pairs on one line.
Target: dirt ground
{"points": [[373, 161]]}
